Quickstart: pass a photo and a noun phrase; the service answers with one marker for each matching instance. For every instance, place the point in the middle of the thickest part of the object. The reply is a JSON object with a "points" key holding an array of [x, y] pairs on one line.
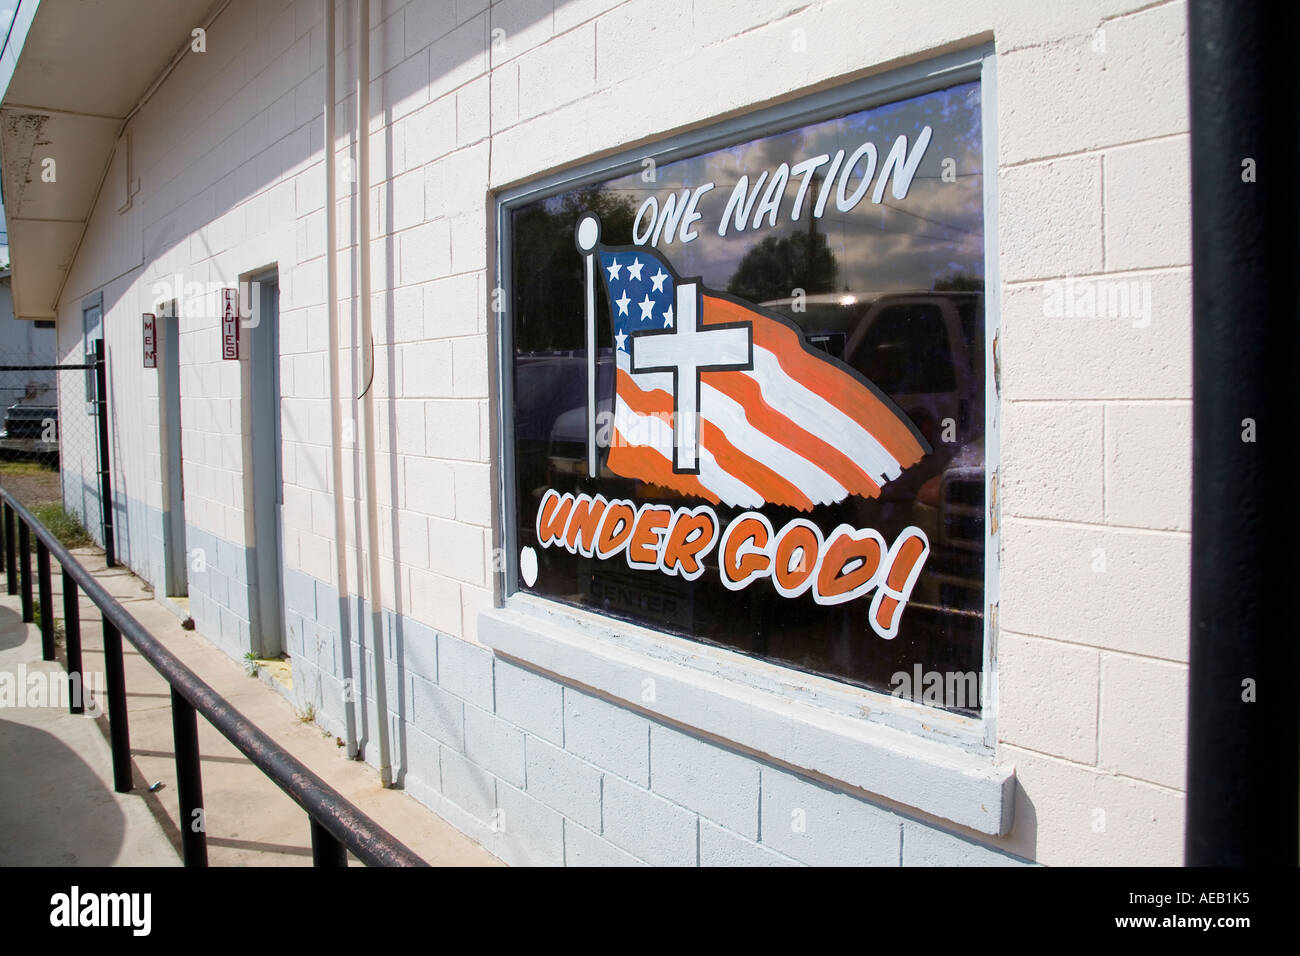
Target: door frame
{"points": [[263, 492], [171, 425]]}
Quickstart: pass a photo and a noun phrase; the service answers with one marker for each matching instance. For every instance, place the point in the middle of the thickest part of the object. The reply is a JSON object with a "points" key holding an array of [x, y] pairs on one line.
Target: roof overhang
{"points": [[76, 72]]}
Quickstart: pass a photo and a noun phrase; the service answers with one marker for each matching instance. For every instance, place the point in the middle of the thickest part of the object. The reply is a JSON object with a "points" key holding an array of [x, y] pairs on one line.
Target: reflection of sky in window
{"points": [[936, 230]]}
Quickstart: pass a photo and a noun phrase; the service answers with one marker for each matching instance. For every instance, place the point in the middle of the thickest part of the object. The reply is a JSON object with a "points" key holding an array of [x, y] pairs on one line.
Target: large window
{"points": [[783, 451]]}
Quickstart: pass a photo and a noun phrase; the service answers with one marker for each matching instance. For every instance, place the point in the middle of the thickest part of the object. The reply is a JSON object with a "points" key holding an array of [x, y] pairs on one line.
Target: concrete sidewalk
{"points": [[57, 805]]}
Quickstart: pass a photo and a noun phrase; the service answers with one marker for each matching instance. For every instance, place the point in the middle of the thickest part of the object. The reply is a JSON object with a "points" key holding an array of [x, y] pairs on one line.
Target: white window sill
{"points": [[808, 723]]}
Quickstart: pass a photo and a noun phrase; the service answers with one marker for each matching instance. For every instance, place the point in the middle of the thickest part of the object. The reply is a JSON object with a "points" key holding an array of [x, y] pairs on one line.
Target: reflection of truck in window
{"points": [[551, 415], [919, 348], [925, 350]]}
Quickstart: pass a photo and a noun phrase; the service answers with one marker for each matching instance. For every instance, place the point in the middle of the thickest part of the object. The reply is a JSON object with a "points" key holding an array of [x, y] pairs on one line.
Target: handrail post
{"points": [[11, 558], [72, 638], [47, 599], [325, 850], [25, 570], [189, 782], [119, 734]]}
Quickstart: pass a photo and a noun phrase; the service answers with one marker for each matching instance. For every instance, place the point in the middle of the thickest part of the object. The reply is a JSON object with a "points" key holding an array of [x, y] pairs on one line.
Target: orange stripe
{"points": [[818, 375], [658, 402], [904, 561], [753, 473], [645, 464], [774, 489], [745, 391]]}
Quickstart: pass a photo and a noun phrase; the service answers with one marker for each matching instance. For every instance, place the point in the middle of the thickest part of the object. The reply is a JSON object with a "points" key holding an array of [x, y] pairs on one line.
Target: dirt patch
{"points": [[32, 484]]}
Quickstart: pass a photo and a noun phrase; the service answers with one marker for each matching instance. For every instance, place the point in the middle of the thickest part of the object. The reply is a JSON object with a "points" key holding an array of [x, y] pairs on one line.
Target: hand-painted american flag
{"points": [[777, 422]]}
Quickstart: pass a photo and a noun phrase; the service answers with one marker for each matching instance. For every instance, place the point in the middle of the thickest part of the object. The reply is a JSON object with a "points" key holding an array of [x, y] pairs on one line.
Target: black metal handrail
{"points": [[336, 825]]}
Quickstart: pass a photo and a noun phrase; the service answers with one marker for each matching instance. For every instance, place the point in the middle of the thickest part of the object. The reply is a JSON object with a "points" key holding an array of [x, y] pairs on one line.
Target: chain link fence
{"points": [[49, 441]]}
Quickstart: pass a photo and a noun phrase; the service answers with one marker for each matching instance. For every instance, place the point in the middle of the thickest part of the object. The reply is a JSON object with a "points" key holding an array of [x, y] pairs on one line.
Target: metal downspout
{"points": [[367, 342], [336, 413]]}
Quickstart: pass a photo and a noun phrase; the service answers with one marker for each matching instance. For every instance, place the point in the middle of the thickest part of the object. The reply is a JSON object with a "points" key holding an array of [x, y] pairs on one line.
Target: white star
{"points": [[621, 340], [613, 270], [634, 270], [658, 279], [668, 318], [647, 307], [622, 304]]}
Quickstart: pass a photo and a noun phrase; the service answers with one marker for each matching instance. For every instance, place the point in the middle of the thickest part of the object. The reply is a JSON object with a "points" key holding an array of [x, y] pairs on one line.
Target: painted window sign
{"points": [[230, 324], [749, 394], [149, 335]]}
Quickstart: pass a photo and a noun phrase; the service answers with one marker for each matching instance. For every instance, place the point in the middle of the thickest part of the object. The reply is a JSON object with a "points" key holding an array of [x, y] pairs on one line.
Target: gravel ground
{"points": [[30, 484]]}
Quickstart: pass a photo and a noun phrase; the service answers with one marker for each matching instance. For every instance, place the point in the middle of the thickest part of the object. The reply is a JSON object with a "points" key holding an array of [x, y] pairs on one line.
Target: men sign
{"points": [[149, 336]]}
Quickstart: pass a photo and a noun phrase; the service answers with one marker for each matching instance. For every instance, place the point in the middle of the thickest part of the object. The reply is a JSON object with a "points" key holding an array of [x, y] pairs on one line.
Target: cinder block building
{"points": [[675, 432]]}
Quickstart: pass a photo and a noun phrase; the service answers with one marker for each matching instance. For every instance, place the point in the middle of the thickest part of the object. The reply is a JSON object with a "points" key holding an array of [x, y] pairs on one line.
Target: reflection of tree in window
{"points": [[774, 268], [548, 271], [959, 282]]}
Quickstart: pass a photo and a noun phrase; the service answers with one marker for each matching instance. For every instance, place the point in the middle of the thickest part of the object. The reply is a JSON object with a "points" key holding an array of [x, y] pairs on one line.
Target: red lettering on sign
{"points": [[744, 550], [150, 339], [230, 324], [690, 539]]}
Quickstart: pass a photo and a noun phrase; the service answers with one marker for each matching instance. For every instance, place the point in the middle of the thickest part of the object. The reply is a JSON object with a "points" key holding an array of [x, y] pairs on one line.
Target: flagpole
{"points": [[588, 235]]}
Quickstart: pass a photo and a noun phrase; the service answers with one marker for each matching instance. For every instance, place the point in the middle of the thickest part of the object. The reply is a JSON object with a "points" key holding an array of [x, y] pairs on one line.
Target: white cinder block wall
{"points": [[467, 98]]}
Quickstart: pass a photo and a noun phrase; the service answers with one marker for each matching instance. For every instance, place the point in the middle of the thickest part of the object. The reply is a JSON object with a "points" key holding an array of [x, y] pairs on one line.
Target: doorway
{"points": [[175, 558], [266, 608]]}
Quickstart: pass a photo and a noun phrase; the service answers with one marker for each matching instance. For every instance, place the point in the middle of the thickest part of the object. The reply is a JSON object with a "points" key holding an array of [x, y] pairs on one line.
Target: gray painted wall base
{"points": [[543, 772]]}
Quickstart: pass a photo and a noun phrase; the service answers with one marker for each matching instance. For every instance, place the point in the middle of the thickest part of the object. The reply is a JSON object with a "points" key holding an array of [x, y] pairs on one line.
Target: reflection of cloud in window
{"points": [[896, 245]]}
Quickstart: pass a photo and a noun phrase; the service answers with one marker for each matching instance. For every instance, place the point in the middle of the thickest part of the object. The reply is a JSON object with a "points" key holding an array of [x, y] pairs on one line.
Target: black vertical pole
{"points": [[325, 849], [25, 570], [72, 632], [119, 734], [47, 599], [189, 782], [1243, 719], [11, 552], [105, 478]]}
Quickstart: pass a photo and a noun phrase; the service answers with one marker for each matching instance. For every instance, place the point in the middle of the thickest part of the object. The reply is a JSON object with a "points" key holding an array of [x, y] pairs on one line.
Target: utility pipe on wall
{"points": [[336, 414], [367, 342]]}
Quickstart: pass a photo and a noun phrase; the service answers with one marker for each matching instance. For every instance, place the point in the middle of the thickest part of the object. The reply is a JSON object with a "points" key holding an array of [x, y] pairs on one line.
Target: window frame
{"points": [[975, 735]]}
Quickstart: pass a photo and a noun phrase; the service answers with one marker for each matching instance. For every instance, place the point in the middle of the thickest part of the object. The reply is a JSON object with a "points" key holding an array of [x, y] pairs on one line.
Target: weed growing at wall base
{"points": [[66, 527]]}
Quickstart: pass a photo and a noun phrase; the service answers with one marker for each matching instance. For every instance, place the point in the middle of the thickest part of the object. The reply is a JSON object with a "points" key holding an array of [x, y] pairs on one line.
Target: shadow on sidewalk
{"points": [[52, 801]]}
